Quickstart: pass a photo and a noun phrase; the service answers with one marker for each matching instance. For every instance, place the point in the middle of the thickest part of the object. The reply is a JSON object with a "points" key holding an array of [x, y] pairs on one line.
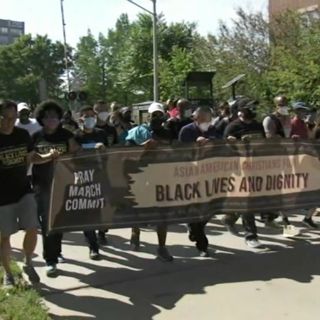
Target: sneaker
{"points": [[94, 255], [290, 231], [31, 273], [164, 255], [135, 242], [204, 254], [102, 240], [61, 259], [8, 280], [51, 270], [253, 243], [273, 224], [310, 223]]}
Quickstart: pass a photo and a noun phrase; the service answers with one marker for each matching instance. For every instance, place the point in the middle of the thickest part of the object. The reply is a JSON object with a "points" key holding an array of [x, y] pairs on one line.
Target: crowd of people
{"points": [[30, 142]]}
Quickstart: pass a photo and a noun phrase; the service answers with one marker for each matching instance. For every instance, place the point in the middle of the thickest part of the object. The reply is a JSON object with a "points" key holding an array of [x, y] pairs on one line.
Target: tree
{"points": [[240, 48], [90, 65], [295, 64], [127, 61], [25, 63], [174, 71]]}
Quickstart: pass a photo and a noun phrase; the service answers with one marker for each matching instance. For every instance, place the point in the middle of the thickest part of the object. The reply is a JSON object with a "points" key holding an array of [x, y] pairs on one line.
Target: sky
{"points": [[44, 16]]}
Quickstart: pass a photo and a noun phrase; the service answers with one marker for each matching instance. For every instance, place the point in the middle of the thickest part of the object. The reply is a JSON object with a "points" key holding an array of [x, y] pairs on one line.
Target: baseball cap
{"points": [[124, 110], [23, 106], [299, 105], [155, 106]]}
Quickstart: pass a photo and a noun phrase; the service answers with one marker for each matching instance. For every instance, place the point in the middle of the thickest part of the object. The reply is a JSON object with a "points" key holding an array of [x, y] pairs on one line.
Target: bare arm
{"points": [[37, 158], [73, 146]]}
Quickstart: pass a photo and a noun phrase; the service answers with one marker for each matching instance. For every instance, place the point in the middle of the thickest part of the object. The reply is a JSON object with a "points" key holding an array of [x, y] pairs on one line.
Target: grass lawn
{"points": [[21, 302]]}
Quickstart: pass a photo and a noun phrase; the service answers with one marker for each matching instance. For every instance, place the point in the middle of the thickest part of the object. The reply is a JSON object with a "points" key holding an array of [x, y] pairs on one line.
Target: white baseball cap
{"points": [[23, 106], [155, 106]]}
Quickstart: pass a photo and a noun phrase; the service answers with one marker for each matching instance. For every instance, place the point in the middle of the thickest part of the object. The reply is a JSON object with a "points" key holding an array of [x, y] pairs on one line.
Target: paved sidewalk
{"points": [[237, 283]]}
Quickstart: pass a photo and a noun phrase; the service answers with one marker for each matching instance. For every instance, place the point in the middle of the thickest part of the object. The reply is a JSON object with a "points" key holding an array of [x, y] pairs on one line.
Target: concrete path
{"points": [[237, 283]]}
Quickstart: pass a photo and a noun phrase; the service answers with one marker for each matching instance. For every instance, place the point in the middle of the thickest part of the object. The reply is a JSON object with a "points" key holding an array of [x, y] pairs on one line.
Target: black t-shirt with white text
{"points": [[43, 143], [14, 183]]}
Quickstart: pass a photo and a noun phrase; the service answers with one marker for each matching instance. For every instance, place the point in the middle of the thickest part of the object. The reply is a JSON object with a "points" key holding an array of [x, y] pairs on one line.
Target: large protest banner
{"points": [[125, 187]]}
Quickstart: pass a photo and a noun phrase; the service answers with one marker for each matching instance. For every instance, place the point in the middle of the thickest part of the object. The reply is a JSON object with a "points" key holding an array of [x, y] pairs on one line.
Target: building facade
{"points": [[303, 6], [10, 30]]}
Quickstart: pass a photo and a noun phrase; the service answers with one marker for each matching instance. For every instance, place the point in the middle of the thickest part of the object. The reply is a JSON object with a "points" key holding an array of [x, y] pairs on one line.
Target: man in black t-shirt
{"points": [[148, 136], [101, 109], [90, 137], [201, 132], [245, 128], [183, 118], [18, 208]]}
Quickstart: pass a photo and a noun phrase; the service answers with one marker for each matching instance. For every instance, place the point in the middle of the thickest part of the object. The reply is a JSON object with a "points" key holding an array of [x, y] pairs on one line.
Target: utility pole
{"points": [[155, 46], [65, 45]]}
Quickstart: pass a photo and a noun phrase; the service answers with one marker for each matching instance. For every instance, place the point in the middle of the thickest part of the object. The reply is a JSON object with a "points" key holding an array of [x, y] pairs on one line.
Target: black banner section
{"points": [[125, 187]]}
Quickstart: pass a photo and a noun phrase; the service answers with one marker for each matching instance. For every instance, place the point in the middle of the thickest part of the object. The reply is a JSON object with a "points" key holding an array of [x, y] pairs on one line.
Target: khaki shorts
{"points": [[19, 215]]}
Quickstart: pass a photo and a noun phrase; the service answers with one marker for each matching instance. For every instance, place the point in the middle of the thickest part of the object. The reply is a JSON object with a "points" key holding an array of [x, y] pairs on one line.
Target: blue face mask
{"points": [[89, 123]]}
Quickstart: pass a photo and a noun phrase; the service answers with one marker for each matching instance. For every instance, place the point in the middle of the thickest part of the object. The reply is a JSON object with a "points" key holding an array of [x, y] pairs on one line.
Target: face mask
{"points": [[156, 123], [103, 115], [283, 111], [24, 117], [187, 113], [204, 126], [89, 123], [127, 117], [51, 123]]}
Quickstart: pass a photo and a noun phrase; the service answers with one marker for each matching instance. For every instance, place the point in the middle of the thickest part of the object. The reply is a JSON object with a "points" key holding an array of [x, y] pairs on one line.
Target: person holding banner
{"points": [[18, 208], [245, 128], [278, 125], [300, 131], [201, 132], [182, 118], [89, 137], [149, 135], [102, 111], [52, 138]]}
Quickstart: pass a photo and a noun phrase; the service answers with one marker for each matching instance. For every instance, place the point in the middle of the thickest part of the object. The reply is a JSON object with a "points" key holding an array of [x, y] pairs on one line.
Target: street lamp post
{"points": [[155, 47], [65, 45]]}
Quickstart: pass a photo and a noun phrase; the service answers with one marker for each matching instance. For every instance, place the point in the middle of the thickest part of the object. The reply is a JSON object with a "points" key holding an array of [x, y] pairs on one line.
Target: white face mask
{"points": [[204, 126], [284, 111], [103, 115], [89, 123]]}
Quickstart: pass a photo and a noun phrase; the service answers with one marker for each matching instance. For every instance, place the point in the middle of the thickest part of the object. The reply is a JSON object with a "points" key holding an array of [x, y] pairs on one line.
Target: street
{"points": [[281, 282]]}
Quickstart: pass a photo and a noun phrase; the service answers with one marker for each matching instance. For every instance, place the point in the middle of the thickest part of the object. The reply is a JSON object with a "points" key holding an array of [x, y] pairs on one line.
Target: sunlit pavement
{"points": [[279, 282]]}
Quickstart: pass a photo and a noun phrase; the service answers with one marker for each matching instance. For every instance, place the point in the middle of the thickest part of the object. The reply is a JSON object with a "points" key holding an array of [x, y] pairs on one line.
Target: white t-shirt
{"points": [[32, 127]]}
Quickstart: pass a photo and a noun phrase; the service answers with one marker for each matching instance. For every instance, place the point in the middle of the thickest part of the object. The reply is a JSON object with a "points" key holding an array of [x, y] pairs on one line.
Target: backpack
{"points": [[278, 124]]}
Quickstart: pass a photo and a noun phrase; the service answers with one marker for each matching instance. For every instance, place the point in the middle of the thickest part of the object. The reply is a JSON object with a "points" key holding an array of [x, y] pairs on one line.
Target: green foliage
{"points": [[173, 73], [21, 302], [240, 48], [25, 62], [126, 54], [295, 65]]}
